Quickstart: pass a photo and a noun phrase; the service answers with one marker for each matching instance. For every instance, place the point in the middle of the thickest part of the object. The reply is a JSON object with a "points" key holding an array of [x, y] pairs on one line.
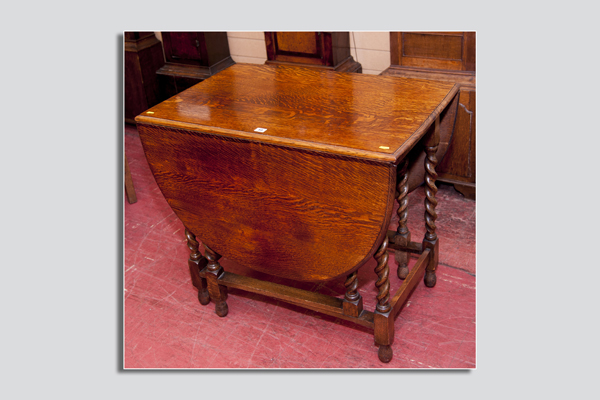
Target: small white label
{"points": [[261, 130]]}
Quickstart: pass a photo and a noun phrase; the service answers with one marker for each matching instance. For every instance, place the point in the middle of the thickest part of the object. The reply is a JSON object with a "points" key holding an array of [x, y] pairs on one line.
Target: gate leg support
{"points": [[218, 293], [402, 237], [197, 262], [430, 241], [383, 317]]}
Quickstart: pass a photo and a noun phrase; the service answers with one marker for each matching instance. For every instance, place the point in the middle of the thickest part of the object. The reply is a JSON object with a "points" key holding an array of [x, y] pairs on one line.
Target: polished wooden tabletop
{"points": [[367, 116]]}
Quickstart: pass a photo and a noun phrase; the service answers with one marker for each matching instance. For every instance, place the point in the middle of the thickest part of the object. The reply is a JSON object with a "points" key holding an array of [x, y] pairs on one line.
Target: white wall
{"points": [[371, 50], [247, 47]]}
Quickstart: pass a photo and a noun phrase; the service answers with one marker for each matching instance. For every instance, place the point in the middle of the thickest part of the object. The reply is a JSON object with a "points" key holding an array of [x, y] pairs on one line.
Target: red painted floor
{"points": [[166, 327]]}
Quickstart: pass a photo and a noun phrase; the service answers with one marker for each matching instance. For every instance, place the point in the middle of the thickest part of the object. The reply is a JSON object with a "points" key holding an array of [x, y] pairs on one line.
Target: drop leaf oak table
{"points": [[293, 172]]}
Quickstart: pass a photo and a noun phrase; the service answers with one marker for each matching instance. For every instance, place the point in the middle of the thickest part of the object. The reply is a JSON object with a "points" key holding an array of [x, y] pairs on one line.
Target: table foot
{"points": [[385, 353], [221, 309], [403, 272], [203, 297], [433, 247], [430, 279], [401, 257]]}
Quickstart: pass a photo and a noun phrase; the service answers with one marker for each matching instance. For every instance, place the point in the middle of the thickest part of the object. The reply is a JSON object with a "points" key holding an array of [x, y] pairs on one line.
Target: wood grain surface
{"points": [[297, 214], [372, 117]]}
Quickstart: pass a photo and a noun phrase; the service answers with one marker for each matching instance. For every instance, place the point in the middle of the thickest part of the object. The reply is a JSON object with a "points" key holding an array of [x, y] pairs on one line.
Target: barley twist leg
{"points": [[383, 283], [402, 233], [431, 239]]}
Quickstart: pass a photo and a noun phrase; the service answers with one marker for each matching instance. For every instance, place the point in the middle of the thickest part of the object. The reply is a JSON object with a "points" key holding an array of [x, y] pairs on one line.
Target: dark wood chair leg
{"points": [[402, 237], [430, 241], [129, 189], [195, 265], [218, 293], [383, 316]]}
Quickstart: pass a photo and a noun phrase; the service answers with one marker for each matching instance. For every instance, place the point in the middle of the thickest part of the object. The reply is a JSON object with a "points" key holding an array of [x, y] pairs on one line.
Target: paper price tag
{"points": [[261, 130]]}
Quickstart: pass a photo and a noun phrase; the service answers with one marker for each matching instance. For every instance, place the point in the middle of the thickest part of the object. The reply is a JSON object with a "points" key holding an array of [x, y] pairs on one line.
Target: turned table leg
{"points": [[430, 241], [402, 236], [194, 264], [383, 316], [218, 293]]}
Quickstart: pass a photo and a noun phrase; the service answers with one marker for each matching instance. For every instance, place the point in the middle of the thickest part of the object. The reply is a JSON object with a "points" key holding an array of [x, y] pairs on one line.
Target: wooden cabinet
{"points": [[190, 58], [143, 57], [447, 57], [328, 50]]}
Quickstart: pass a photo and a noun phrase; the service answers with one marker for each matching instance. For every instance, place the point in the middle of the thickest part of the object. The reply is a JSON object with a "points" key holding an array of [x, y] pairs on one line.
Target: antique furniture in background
{"points": [[328, 50], [190, 58], [294, 172], [444, 57], [143, 57]]}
